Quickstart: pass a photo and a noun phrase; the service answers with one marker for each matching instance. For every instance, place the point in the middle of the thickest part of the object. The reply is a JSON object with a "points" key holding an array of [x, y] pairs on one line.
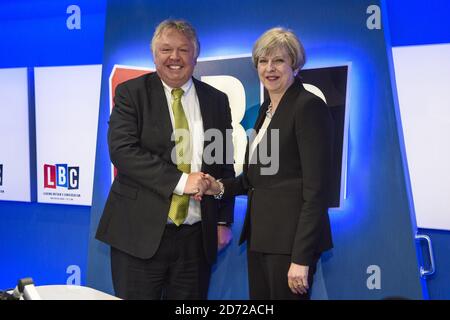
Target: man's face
{"points": [[174, 58]]}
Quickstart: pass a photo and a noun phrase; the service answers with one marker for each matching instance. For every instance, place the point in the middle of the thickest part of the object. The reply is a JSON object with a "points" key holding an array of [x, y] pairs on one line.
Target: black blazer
{"points": [[287, 212], [139, 139]]}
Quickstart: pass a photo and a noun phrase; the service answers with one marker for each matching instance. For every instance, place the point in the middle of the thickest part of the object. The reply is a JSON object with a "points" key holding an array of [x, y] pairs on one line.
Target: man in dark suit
{"points": [[163, 242]]}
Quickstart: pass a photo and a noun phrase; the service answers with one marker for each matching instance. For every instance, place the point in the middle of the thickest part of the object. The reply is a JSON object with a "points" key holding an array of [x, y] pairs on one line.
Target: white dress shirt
{"points": [[191, 107]]}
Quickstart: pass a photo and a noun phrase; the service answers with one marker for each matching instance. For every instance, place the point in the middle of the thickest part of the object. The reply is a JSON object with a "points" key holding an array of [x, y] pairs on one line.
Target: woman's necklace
{"points": [[269, 113]]}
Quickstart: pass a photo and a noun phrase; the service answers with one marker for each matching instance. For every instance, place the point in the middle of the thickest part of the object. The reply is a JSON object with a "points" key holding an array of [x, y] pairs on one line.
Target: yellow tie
{"points": [[179, 205]]}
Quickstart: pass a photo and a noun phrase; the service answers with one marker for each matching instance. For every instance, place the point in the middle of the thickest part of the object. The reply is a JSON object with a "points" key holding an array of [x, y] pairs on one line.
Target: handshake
{"points": [[199, 184]]}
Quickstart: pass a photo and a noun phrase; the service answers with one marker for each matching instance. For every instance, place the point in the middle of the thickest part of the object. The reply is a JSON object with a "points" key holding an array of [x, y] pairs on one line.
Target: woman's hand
{"points": [[298, 278], [214, 187]]}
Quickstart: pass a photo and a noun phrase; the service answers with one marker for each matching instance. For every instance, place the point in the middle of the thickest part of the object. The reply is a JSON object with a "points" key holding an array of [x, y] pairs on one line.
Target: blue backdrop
{"points": [[42, 240]]}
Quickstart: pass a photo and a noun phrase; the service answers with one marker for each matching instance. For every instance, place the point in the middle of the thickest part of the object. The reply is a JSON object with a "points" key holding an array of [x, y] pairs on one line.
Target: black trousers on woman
{"points": [[267, 276]]}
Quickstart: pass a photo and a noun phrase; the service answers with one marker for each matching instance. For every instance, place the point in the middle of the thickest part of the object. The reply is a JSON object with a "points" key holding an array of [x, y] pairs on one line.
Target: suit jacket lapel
{"points": [[205, 104], [206, 112], [277, 120], [288, 98], [258, 123], [261, 115], [158, 102]]}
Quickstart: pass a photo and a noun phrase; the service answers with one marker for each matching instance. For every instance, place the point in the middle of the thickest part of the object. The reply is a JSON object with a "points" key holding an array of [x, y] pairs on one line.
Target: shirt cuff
{"points": [[179, 189], [226, 224]]}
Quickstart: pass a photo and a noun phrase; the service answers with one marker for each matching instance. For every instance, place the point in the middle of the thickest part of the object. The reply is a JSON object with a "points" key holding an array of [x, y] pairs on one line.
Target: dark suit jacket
{"points": [[287, 213], [140, 146]]}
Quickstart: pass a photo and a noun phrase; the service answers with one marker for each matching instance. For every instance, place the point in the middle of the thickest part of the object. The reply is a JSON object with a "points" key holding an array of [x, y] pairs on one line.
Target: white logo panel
{"points": [[14, 136], [67, 108]]}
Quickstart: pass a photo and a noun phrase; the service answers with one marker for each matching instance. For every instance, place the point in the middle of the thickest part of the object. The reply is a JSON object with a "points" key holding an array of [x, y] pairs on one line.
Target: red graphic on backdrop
{"points": [[49, 176]]}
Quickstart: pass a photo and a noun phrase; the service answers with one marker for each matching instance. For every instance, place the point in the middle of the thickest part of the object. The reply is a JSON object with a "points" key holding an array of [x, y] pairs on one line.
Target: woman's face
{"points": [[275, 71]]}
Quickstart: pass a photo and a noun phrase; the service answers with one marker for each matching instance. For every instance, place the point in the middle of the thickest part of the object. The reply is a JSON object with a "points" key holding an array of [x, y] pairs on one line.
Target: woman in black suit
{"points": [[287, 225]]}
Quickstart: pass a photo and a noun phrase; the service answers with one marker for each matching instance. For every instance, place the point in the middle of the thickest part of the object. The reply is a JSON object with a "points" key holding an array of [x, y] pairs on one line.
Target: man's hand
{"points": [[213, 187], [224, 236], [298, 278], [196, 184]]}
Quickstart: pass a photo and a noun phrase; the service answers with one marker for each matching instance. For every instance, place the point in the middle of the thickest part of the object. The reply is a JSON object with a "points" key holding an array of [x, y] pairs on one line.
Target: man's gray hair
{"points": [[181, 25]]}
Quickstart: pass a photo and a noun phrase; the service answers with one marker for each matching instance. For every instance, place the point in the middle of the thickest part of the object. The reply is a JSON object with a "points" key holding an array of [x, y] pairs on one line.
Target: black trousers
{"points": [[267, 276], [178, 270]]}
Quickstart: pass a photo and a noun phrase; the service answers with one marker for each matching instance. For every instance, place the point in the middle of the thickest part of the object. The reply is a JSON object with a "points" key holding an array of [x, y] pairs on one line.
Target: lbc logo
{"points": [[61, 175]]}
